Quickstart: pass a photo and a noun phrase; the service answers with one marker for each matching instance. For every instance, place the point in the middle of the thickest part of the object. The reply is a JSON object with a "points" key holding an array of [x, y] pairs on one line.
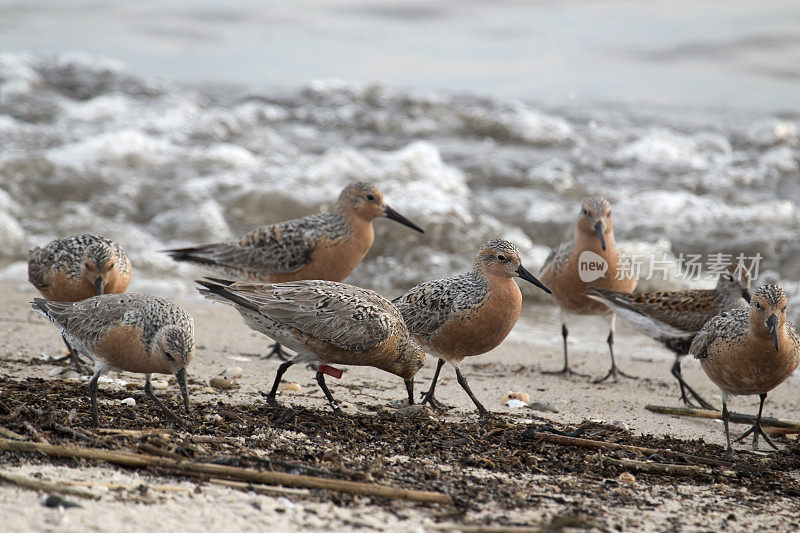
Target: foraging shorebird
{"points": [[749, 351], [674, 317], [325, 322], [467, 314], [131, 332], [590, 259], [71, 269], [324, 246]]}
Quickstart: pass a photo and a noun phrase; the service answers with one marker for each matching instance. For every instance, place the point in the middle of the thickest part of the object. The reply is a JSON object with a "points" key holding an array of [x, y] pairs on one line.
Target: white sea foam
{"points": [[87, 146]]}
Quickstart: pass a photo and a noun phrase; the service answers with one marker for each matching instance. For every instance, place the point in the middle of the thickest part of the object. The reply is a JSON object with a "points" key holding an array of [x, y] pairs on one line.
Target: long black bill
{"points": [[527, 276], [99, 285], [397, 217], [772, 327], [181, 375], [746, 295], [598, 228]]}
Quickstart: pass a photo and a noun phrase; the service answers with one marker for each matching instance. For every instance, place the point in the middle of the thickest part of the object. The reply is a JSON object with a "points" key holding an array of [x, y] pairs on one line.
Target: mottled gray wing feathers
{"points": [[428, 306], [347, 317], [280, 248], [557, 257], [37, 268]]}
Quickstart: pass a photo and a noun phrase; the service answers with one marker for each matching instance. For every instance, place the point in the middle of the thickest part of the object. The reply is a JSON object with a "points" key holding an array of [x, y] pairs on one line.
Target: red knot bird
{"points": [[324, 246], [674, 317], [325, 322], [467, 314], [71, 269], [749, 351], [590, 259], [131, 332]]}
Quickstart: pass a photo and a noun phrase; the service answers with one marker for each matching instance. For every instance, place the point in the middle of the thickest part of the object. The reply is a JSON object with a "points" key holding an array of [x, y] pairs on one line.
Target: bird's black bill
{"points": [[181, 376], [598, 228], [772, 327], [99, 285], [746, 295], [527, 276], [397, 217]]}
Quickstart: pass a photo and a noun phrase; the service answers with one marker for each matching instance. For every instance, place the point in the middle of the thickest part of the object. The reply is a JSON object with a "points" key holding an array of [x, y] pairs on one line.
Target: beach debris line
{"points": [[187, 467], [736, 418]]}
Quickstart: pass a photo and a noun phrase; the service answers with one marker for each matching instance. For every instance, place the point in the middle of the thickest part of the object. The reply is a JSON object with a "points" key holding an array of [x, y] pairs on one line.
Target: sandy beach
{"points": [[223, 342]]}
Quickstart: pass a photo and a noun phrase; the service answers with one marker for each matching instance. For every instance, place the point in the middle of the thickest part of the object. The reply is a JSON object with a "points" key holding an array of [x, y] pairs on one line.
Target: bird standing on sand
{"points": [[74, 268], [325, 322], [674, 317], [131, 332], [324, 246], [591, 258], [749, 351], [467, 314]]}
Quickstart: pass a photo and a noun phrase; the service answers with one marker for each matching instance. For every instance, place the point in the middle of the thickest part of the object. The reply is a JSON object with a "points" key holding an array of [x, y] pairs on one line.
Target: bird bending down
{"points": [[674, 317], [131, 332], [74, 268], [324, 322], [467, 314], [591, 258], [749, 351], [323, 246]]}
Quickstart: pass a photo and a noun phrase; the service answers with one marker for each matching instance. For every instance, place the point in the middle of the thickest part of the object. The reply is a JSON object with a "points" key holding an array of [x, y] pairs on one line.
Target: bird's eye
{"points": [[86, 264], [501, 257], [584, 211], [370, 197], [111, 266], [783, 310], [758, 305]]}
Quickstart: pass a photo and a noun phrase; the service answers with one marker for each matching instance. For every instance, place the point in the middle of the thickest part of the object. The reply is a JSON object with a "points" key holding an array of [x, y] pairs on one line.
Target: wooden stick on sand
{"points": [[136, 460], [717, 415]]}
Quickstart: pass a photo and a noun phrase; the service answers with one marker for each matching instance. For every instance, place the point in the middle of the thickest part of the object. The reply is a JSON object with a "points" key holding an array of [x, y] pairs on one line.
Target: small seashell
{"points": [[213, 418], [233, 372], [160, 384], [290, 386], [513, 403], [128, 401], [626, 477]]}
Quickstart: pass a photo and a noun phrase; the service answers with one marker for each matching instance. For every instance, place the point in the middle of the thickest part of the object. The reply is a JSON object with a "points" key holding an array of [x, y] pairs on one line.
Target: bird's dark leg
{"points": [[428, 397], [464, 385], [281, 370], [277, 351], [566, 371], [410, 390], [613, 372], [756, 429], [726, 416], [148, 390], [328, 395], [93, 397], [676, 371]]}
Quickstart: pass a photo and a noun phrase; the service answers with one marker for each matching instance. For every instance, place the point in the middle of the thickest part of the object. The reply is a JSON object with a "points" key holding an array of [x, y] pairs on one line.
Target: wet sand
{"points": [[223, 342]]}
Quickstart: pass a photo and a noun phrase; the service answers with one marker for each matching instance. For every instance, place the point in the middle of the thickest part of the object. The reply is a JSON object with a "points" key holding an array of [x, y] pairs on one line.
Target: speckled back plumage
{"points": [[67, 255], [430, 305], [307, 315], [684, 310], [281, 248], [85, 323], [557, 258]]}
